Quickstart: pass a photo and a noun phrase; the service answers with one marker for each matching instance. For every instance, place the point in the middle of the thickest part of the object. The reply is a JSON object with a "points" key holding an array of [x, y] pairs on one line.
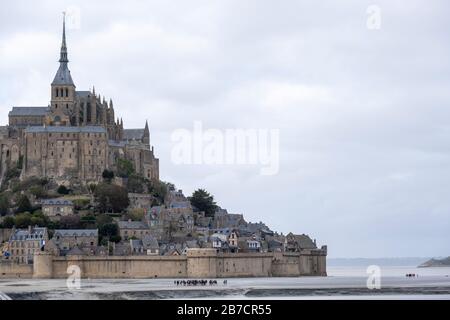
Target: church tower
{"points": [[146, 137], [63, 89]]}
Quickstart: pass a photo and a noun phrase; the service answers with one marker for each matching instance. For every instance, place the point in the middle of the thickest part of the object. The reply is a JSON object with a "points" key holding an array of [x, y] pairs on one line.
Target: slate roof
{"points": [[82, 94], [132, 225], [23, 234], [303, 241], [62, 129], [29, 111], [76, 233], [133, 134], [150, 242], [75, 251], [56, 202], [63, 76]]}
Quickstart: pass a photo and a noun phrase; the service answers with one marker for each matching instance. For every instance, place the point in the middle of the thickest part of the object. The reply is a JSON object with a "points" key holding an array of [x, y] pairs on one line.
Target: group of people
{"points": [[197, 282], [409, 275]]}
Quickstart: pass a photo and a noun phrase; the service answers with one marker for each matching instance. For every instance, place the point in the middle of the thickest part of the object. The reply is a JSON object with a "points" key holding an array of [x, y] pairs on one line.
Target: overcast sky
{"points": [[363, 114]]}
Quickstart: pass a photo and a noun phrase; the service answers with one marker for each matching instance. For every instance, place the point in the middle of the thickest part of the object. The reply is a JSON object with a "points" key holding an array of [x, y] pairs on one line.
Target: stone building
{"points": [[57, 208], [23, 243], [133, 229], [296, 243], [76, 136], [66, 240], [140, 200]]}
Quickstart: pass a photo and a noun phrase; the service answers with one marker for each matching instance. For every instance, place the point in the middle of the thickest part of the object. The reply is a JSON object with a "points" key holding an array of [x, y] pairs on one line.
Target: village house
{"points": [[23, 243], [133, 229], [57, 208], [246, 244], [191, 244], [233, 240], [219, 241], [202, 233], [147, 246], [295, 243], [66, 239], [223, 219], [176, 199]]}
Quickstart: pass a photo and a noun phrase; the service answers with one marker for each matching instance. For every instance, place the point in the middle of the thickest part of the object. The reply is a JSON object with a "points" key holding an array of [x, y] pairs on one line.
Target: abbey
{"points": [[76, 136]]}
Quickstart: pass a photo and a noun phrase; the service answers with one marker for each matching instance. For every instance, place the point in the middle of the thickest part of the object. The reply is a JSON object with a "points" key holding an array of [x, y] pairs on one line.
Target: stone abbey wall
{"points": [[198, 263]]}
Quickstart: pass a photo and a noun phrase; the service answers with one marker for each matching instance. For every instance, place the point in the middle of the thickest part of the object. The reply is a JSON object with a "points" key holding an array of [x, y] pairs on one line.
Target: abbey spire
{"points": [[63, 76], [63, 58], [146, 136]]}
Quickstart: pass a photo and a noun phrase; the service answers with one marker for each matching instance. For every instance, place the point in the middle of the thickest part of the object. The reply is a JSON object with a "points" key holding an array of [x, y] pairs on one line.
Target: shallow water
{"points": [[342, 283]]}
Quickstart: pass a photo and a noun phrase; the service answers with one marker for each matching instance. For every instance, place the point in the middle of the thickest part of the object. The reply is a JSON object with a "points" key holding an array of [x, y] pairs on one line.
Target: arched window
{"points": [[67, 92], [57, 92]]}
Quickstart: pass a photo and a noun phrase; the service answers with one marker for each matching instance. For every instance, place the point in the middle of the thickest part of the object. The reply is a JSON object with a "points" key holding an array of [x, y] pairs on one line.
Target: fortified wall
{"points": [[198, 263]]}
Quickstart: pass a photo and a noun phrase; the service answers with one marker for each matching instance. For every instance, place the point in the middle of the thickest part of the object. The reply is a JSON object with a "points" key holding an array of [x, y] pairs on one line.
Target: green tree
{"points": [[203, 201], [136, 214], [23, 204], [110, 231], [23, 220], [158, 189], [38, 191], [9, 222], [136, 183], [92, 187], [62, 189], [107, 175], [103, 219], [124, 168], [4, 204], [111, 198]]}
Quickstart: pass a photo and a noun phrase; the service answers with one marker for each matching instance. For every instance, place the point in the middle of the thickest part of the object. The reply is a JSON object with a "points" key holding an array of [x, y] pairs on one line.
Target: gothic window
{"points": [[67, 106], [56, 106], [62, 92], [67, 92]]}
